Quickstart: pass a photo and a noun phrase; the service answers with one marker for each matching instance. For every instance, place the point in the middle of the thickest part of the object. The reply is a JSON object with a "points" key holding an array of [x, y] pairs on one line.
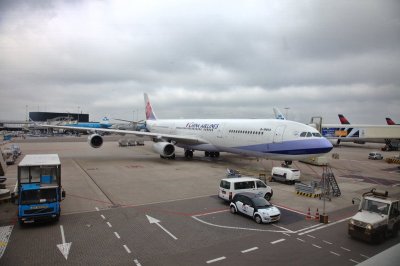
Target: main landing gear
{"points": [[211, 154], [188, 154], [286, 164]]}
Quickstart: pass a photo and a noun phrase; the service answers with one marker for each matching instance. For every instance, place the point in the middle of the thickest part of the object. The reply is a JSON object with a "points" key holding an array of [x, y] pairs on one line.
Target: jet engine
{"points": [[165, 149], [95, 140]]}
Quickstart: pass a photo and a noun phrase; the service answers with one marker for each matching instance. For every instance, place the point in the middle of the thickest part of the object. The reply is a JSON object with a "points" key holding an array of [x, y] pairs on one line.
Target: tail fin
{"points": [[150, 115], [389, 121], [343, 120], [278, 114], [105, 121]]}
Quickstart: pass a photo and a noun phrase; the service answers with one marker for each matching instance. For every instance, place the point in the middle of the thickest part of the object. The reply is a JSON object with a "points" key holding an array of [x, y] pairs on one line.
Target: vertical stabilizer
{"points": [[148, 109], [389, 121], [343, 120], [278, 114]]}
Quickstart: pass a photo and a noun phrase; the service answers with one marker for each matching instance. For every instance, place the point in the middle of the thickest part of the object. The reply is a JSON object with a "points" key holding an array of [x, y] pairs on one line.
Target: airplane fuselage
{"points": [[268, 138]]}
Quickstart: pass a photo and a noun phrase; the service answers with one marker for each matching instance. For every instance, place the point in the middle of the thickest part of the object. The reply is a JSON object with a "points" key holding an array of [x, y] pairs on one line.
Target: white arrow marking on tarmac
{"points": [[64, 247], [157, 222]]}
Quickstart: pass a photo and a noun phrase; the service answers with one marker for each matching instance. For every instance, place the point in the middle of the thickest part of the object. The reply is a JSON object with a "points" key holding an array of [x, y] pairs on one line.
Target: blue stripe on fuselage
{"points": [[294, 147]]}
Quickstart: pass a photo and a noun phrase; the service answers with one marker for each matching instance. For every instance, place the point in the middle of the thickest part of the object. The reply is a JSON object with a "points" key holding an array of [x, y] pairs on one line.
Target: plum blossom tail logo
{"points": [[149, 112]]}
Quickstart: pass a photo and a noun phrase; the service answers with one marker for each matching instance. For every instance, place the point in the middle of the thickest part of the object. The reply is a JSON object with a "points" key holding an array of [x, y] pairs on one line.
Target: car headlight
{"points": [[369, 227]]}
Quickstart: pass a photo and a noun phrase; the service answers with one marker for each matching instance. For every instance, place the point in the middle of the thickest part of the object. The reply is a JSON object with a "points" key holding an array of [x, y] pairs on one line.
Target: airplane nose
{"points": [[326, 146]]}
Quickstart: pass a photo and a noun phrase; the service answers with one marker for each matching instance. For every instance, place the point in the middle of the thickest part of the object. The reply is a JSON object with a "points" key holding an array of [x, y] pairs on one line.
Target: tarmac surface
{"points": [[127, 206]]}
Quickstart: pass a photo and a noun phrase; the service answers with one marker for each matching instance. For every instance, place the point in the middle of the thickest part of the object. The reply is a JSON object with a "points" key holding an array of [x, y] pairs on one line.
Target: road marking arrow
{"points": [[157, 222], [64, 247]]}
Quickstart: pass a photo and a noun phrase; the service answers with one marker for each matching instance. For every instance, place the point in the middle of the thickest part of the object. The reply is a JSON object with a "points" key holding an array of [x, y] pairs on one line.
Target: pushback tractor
{"points": [[39, 190]]}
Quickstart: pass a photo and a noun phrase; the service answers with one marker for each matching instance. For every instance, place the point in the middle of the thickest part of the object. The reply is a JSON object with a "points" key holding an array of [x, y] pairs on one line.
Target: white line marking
{"points": [[280, 227], [345, 249], [354, 261], [215, 260], [137, 262], [286, 234], [277, 241], [311, 236], [127, 249], [97, 208], [102, 216], [316, 246], [5, 233], [300, 239], [364, 256], [249, 250], [334, 253], [62, 233], [209, 213], [307, 228], [237, 228], [117, 235], [109, 225], [329, 243], [324, 226]]}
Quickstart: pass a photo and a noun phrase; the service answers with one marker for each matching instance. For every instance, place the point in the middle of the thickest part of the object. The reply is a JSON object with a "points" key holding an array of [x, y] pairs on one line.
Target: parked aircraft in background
{"points": [[389, 121], [343, 120], [361, 134], [278, 114], [104, 123], [266, 138]]}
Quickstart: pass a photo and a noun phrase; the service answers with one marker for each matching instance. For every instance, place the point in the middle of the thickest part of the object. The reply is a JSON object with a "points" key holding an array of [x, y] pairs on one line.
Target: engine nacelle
{"points": [[165, 149], [95, 140]]}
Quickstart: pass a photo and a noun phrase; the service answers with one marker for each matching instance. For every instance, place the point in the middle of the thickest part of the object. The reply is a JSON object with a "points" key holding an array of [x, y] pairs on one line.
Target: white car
{"points": [[256, 207]]}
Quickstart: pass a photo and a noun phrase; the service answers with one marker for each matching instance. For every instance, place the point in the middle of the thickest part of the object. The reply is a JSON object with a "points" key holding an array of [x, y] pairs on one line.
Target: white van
{"points": [[284, 174], [230, 186]]}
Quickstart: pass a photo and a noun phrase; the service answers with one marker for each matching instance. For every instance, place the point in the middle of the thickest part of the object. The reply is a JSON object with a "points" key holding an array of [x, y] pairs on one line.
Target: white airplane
{"points": [[266, 138]]}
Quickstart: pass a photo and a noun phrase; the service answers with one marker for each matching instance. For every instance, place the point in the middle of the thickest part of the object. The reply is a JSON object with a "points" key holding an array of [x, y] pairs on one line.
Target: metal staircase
{"points": [[329, 184]]}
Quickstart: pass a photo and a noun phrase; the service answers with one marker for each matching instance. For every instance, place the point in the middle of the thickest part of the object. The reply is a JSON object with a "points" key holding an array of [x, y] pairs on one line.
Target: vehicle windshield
{"points": [[375, 206], [39, 196], [261, 203]]}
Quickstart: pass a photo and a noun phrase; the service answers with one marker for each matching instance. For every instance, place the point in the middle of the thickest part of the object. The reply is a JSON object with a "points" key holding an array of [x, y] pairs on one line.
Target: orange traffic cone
{"points": [[317, 215], [308, 216]]}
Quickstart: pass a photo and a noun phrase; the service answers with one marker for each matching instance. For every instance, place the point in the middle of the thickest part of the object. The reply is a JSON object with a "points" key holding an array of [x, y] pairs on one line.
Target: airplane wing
{"points": [[182, 139]]}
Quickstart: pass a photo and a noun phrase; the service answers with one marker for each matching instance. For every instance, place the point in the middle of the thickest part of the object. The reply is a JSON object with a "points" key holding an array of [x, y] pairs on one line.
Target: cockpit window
{"points": [[317, 135], [309, 134], [303, 134]]}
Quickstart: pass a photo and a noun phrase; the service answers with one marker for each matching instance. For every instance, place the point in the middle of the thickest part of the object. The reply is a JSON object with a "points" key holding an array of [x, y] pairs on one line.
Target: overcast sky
{"points": [[202, 59]]}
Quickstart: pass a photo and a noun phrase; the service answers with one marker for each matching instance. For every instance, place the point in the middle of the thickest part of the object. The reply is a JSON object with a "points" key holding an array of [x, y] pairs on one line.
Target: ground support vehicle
{"points": [[228, 187], [39, 190], [375, 156], [285, 174], [378, 217]]}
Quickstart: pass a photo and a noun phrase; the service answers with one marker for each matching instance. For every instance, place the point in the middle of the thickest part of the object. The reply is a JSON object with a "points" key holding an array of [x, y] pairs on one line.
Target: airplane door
{"points": [[278, 136]]}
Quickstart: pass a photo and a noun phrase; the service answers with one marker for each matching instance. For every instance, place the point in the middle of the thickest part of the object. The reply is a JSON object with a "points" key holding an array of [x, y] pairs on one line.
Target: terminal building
{"points": [[47, 117]]}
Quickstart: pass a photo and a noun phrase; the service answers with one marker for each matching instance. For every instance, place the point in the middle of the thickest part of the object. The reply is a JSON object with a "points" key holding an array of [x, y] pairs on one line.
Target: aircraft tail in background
{"points": [[343, 120], [278, 114], [150, 115], [389, 121]]}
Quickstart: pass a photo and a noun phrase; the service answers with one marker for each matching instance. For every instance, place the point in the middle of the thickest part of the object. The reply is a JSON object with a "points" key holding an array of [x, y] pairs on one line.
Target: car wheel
{"points": [[258, 219], [268, 196], [233, 209]]}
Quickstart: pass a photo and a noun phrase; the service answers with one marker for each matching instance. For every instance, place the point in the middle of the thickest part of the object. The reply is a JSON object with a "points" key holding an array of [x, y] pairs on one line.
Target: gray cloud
{"points": [[198, 59]]}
